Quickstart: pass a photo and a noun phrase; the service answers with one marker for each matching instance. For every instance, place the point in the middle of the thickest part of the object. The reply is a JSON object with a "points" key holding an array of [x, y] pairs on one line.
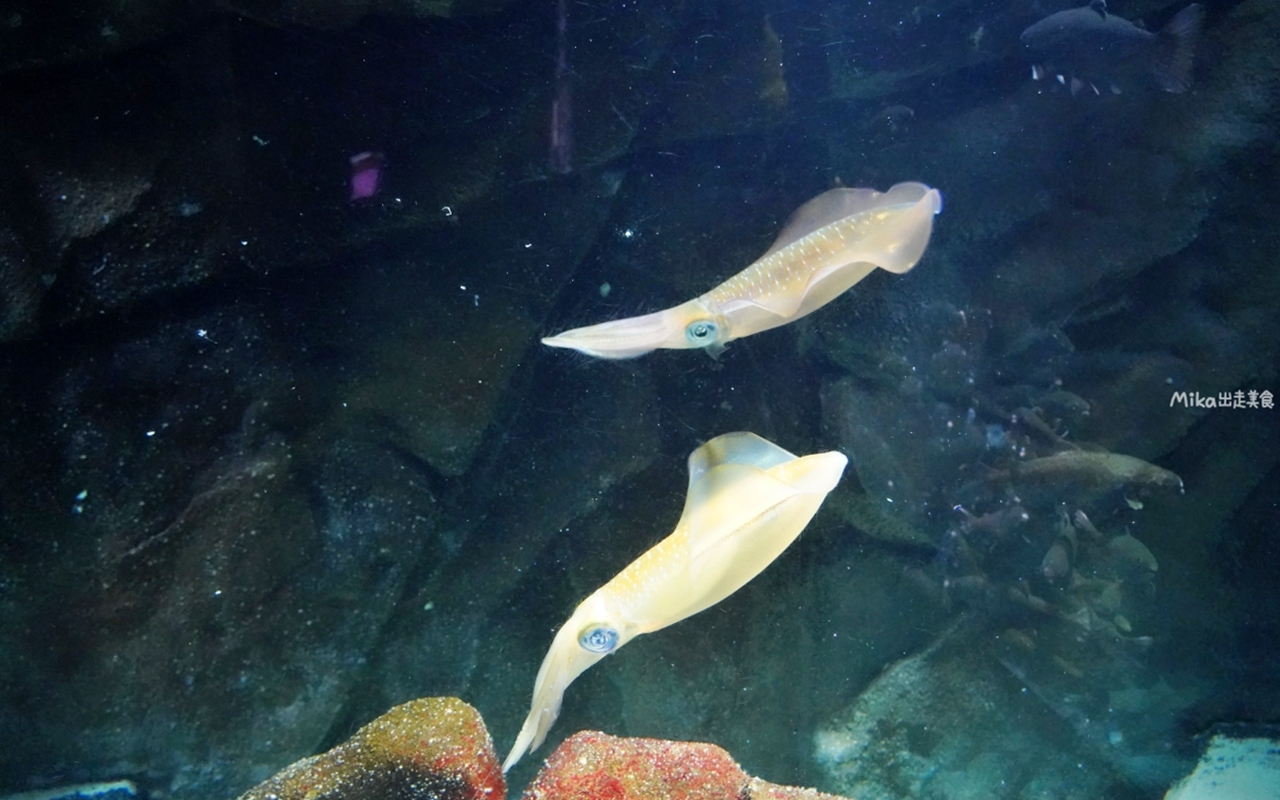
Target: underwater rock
{"points": [[737, 85], [1241, 761], [101, 790], [903, 452], [1104, 229], [758, 789], [111, 219], [20, 287], [851, 33], [262, 610], [329, 14], [424, 381], [39, 35], [434, 748], [168, 191], [591, 764], [1240, 91], [944, 721], [1116, 422]]}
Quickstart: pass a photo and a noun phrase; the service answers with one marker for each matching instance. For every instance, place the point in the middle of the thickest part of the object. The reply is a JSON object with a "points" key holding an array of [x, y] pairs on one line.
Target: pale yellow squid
{"points": [[747, 500], [829, 244]]}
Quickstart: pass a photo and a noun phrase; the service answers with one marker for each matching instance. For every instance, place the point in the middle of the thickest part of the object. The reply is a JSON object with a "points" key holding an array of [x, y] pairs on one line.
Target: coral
{"points": [[435, 748], [595, 765]]}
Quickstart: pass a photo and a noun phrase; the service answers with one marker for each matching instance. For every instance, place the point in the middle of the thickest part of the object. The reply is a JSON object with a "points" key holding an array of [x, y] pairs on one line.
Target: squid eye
{"points": [[598, 638], [702, 332]]}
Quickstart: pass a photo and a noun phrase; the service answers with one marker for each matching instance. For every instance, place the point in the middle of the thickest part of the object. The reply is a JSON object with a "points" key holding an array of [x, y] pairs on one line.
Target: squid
{"points": [[829, 244], [747, 500]]}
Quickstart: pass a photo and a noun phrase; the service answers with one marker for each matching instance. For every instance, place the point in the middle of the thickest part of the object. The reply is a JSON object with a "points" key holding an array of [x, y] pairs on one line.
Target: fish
{"points": [[1086, 478], [1063, 403], [747, 501], [829, 244], [996, 524], [1093, 45], [1130, 558], [1061, 555]]}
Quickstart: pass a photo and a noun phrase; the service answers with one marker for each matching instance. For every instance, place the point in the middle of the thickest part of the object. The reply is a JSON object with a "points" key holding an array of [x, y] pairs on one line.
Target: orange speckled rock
{"points": [[436, 748], [595, 766]]}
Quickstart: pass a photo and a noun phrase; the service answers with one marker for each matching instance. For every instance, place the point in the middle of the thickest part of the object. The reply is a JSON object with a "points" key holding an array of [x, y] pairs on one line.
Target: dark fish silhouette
{"points": [[1087, 44]]}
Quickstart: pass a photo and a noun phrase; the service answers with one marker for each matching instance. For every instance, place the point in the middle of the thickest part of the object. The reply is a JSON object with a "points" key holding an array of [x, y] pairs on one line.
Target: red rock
{"points": [[436, 748], [602, 767], [595, 766]]}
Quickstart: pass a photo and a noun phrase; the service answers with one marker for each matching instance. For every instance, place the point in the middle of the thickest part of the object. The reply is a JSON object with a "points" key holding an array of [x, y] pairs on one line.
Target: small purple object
{"points": [[366, 175]]}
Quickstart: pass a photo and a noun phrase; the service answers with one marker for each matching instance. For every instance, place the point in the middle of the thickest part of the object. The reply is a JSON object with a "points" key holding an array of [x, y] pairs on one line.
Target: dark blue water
{"points": [[277, 457]]}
